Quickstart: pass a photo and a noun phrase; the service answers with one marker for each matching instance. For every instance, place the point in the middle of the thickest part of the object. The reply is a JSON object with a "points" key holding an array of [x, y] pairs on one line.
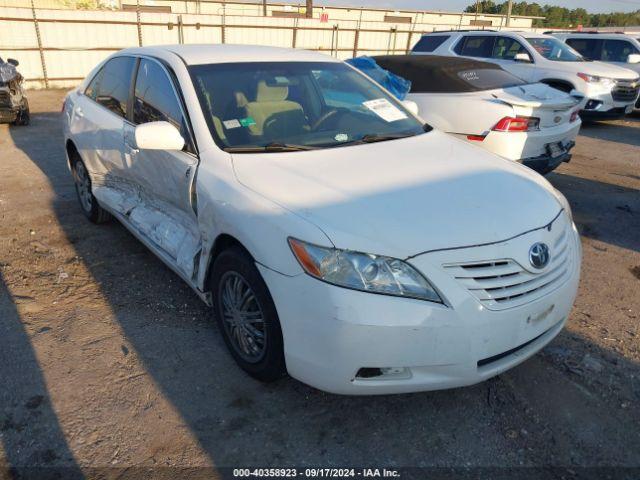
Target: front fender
{"points": [[226, 207]]}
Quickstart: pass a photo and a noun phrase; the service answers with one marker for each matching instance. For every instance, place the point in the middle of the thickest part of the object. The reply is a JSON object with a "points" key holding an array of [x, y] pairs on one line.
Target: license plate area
{"points": [[556, 149]]}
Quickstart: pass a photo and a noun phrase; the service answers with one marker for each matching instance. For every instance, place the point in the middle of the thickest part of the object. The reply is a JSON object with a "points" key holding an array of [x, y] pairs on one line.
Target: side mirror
{"points": [[13, 62], [411, 106], [522, 57], [158, 136], [633, 58]]}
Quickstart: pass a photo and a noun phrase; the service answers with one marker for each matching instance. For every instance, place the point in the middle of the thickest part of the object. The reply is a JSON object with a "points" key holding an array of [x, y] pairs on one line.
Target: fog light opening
{"points": [[593, 105], [383, 373]]}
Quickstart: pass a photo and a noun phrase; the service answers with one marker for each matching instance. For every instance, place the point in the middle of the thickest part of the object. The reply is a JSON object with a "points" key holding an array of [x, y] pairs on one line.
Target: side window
{"points": [[589, 48], [155, 100], [617, 50], [92, 88], [506, 48], [476, 46], [114, 84], [429, 43]]}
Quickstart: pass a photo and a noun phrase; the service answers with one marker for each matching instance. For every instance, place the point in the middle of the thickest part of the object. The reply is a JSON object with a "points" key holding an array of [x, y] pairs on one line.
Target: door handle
{"points": [[79, 112]]}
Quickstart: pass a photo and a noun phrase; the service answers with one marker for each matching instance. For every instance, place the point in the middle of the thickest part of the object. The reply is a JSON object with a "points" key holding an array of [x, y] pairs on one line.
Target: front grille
{"points": [[504, 283], [625, 91], [5, 99]]}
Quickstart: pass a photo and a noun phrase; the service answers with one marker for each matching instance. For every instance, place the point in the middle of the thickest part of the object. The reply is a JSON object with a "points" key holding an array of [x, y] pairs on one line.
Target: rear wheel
{"points": [[88, 203], [247, 316]]}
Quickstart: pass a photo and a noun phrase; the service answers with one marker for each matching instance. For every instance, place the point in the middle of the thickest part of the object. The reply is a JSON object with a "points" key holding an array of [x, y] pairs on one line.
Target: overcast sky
{"points": [[594, 6]]}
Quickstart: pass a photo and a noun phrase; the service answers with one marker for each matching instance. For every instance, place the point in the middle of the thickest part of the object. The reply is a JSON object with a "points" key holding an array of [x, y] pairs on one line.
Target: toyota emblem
{"points": [[539, 255]]}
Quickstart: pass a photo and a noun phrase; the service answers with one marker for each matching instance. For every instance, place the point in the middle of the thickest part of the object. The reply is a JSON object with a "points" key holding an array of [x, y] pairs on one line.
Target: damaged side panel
{"points": [[167, 228]]}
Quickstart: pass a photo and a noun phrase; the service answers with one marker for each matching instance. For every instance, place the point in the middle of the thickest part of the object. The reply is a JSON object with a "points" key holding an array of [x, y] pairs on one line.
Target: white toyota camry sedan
{"points": [[336, 237]]}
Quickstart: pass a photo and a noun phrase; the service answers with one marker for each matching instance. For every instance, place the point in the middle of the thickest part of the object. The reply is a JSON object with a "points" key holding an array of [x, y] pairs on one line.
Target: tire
{"points": [[233, 277], [88, 203], [23, 117]]}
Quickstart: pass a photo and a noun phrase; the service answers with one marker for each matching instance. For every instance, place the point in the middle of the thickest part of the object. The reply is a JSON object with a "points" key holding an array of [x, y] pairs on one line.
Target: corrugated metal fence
{"points": [[57, 48]]}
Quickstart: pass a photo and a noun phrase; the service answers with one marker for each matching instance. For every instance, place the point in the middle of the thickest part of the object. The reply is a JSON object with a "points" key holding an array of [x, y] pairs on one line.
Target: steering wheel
{"points": [[327, 116]]}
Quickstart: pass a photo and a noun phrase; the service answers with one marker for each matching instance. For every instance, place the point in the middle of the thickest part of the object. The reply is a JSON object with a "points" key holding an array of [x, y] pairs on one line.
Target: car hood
{"points": [[403, 197], [600, 69]]}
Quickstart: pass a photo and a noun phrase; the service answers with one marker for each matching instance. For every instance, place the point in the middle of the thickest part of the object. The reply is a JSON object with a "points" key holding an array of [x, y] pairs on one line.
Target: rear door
{"points": [[167, 210], [98, 118], [485, 46]]}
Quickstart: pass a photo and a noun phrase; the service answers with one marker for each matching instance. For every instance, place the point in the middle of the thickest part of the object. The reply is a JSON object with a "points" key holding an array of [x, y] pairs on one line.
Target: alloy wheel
{"points": [[83, 186], [242, 317]]}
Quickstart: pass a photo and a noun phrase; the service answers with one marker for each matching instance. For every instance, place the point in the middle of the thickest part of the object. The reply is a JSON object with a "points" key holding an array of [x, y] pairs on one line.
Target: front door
{"points": [[166, 213]]}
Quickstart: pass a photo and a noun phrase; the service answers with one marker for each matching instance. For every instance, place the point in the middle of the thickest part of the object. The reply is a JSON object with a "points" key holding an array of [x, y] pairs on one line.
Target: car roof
{"points": [[432, 63], [434, 73], [199, 54], [518, 33]]}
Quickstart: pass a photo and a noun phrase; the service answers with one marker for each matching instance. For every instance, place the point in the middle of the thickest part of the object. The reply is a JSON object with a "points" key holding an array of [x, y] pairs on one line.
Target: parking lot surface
{"points": [[107, 359]]}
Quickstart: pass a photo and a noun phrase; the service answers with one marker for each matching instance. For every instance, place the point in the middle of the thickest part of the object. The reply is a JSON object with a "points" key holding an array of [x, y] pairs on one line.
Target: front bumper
{"points": [[611, 114], [8, 115], [331, 333], [600, 104]]}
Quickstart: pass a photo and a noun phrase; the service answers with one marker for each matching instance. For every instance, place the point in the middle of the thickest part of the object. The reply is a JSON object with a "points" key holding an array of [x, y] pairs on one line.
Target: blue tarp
{"points": [[392, 82]]}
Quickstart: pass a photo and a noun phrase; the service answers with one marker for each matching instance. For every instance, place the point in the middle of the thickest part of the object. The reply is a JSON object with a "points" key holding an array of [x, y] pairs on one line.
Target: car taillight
{"points": [[575, 115], [476, 138], [64, 104], [517, 124]]}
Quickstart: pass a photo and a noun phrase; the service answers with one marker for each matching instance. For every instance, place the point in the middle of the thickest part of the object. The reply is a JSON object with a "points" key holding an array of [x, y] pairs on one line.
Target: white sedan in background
{"points": [[480, 102], [351, 246]]}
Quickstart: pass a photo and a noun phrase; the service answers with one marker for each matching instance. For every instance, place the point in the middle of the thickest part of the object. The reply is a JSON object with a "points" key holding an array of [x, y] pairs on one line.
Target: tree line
{"points": [[559, 17]]}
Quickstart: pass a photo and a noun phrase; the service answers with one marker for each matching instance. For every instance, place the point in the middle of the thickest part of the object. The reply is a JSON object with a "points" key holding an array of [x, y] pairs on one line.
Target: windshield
{"points": [[296, 105], [555, 50]]}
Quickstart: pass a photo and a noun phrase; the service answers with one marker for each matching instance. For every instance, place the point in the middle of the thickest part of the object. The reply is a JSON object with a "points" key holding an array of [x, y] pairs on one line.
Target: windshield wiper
{"points": [[381, 137], [375, 137], [269, 147]]}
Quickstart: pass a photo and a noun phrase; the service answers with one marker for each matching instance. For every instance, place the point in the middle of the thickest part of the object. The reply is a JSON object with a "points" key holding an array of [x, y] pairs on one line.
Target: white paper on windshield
{"points": [[229, 124], [385, 109]]}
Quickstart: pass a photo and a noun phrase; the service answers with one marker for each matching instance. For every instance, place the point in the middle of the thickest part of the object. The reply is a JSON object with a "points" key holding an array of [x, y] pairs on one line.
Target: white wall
{"points": [[74, 41]]}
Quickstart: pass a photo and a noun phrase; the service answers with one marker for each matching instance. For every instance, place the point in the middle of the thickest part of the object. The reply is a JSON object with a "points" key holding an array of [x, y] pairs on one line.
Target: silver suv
{"points": [[615, 48]]}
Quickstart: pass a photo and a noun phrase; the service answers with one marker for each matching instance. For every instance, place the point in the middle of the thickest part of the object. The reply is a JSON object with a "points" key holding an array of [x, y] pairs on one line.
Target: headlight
{"points": [[595, 79], [363, 271]]}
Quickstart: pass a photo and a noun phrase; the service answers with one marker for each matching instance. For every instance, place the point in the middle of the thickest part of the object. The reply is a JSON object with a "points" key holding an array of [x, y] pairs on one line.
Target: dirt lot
{"points": [[108, 360]]}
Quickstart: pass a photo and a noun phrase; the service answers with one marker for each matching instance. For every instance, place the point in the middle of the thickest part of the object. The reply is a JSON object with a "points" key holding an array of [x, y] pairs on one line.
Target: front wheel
{"points": [[23, 117], [247, 316]]}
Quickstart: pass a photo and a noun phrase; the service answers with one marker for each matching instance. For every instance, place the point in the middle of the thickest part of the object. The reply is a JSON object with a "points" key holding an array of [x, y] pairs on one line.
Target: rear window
{"points": [[435, 74], [429, 43], [476, 46], [488, 79]]}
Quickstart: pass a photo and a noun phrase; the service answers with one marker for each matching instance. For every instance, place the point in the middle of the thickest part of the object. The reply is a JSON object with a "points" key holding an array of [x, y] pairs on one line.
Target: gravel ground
{"points": [[108, 360]]}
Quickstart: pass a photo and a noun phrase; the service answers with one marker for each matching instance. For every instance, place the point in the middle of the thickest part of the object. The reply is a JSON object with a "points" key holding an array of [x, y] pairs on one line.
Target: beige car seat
{"points": [[273, 114]]}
